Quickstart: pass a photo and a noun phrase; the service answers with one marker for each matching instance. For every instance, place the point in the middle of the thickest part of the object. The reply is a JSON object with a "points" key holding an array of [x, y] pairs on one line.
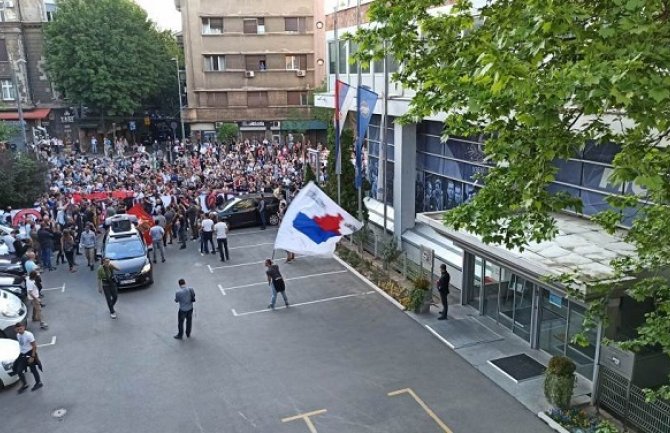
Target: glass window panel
{"points": [[601, 152], [390, 150], [373, 132], [583, 356], [343, 57], [373, 176], [569, 171], [332, 57], [464, 150], [353, 64], [389, 182], [593, 202], [553, 323], [597, 177], [418, 194]]}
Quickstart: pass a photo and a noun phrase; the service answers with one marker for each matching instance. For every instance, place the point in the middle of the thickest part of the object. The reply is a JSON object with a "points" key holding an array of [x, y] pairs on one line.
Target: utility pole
{"points": [[181, 105], [338, 145], [358, 102]]}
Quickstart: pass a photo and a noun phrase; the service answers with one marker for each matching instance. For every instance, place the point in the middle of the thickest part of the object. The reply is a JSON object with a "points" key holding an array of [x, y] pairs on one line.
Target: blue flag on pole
{"points": [[366, 100]]}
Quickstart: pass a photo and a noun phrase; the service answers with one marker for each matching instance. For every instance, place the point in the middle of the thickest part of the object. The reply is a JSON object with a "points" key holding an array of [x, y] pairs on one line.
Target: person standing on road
{"points": [[34, 298], [443, 288], [46, 241], [157, 234], [261, 210], [185, 297], [276, 282], [67, 245], [87, 241], [27, 358], [221, 230], [107, 285], [207, 226]]}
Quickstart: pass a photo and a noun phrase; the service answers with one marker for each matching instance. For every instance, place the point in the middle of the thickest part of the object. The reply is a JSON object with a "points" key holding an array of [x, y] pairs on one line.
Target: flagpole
{"points": [[338, 147], [358, 101], [384, 133]]}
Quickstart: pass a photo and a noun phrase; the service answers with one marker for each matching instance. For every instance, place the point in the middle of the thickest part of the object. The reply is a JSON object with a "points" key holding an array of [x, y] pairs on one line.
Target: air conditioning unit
{"points": [[249, 74], [300, 73]]}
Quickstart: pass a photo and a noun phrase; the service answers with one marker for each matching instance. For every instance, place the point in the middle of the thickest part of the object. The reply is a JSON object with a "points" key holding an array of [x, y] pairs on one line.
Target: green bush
{"points": [[421, 283], [559, 382]]}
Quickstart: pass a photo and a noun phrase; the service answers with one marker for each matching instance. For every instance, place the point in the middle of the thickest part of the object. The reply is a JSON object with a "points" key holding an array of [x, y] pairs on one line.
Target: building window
{"points": [[343, 57], [212, 26], [215, 63], [296, 62], [255, 63], [353, 63], [295, 24], [254, 25], [213, 99], [332, 57], [8, 93], [257, 99], [298, 98], [4, 57]]}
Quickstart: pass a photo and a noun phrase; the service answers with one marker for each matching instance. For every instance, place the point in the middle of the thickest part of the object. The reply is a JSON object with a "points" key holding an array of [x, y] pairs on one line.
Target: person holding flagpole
{"points": [[276, 282]]}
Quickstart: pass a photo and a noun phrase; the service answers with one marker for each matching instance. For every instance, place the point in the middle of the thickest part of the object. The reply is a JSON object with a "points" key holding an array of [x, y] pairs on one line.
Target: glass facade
{"points": [[375, 156]]}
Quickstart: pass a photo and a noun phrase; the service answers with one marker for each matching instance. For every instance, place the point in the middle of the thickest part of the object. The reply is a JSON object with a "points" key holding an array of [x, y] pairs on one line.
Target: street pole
{"points": [[359, 83], [338, 163], [181, 105], [19, 106], [384, 138]]}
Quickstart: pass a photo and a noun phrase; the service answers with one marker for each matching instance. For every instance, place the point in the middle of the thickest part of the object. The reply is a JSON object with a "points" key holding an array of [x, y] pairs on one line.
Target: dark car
{"points": [[128, 253], [243, 211], [14, 284]]}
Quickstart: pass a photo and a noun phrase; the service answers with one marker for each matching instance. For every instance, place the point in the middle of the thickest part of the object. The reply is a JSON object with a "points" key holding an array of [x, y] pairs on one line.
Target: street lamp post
{"points": [[181, 105]]}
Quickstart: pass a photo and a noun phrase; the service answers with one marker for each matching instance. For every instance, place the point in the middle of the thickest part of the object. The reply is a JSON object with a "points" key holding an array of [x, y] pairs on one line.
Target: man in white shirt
{"points": [[221, 230], [207, 226], [27, 358], [8, 239], [34, 298], [157, 232]]}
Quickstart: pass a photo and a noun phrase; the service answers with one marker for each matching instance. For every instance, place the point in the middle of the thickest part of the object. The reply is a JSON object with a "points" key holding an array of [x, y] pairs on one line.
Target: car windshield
{"points": [[230, 203], [129, 249]]}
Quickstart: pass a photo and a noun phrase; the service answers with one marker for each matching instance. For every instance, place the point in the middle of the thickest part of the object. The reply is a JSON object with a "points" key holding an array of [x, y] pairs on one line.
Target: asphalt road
{"points": [[341, 359]]}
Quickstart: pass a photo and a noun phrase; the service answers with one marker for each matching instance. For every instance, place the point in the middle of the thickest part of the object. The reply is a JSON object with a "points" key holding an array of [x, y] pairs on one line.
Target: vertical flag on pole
{"points": [[366, 101], [344, 100]]}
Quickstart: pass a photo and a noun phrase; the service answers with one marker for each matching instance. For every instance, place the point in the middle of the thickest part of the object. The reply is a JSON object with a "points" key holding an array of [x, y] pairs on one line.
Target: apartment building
{"points": [[251, 63]]}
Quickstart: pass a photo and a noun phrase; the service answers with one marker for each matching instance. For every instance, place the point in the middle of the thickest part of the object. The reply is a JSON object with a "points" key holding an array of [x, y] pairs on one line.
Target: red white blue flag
{"points": [[313, 224], [344, 100]]}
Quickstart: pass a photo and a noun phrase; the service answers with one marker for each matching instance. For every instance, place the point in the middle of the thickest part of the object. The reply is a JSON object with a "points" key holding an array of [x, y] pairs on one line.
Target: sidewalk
{"points": [[479, 339]]}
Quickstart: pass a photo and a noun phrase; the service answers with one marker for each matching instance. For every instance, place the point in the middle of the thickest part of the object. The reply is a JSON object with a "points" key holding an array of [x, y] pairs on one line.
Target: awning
{"points": [[37, 114]]}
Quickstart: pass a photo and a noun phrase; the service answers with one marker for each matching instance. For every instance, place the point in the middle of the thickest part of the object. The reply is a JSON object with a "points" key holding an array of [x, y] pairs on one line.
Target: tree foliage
{"points": [[106, 54], [540, 80], [23, 179], [227, 132]]}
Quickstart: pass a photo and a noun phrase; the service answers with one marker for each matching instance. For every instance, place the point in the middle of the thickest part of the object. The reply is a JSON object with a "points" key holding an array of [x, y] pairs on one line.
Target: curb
{"points": [[369, 283], [551, 423]]}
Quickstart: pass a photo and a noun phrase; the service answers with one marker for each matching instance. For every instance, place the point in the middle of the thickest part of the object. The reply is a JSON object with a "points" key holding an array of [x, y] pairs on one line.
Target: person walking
{"points": [[221, 230], [443, 288], [58, 245], [157, 233], [107, 285], [67, 245], [94, 144], [185, 297], [46, 240], [27, 358], [261, 211], [34, 298], [276, 282], [87, 241], [180, 227], [207, 226]]}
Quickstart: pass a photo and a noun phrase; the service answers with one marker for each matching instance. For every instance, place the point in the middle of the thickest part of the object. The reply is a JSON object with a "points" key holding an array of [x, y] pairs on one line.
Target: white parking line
{"points": [[61, 288], [251, 246], [285, 279], [211, 268], [259, 232], [53, 342], [335, 298]]}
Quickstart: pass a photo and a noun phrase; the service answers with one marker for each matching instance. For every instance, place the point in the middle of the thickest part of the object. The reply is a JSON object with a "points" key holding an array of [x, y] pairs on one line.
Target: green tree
{"points": [[349, 193], [227, 132], [23, 179], [107, 55], [540, 80]]}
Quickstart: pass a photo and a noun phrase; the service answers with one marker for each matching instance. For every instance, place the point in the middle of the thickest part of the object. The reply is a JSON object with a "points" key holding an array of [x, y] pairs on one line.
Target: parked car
{"points": [[9, 351], [242, 211], [14, 284], [12, 311], [125, 247], [11, 266]]}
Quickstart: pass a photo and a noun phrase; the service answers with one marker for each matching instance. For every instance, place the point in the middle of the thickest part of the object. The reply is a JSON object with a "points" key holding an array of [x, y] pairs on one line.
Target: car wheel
{"points": [[151, 279], [274, 220]]}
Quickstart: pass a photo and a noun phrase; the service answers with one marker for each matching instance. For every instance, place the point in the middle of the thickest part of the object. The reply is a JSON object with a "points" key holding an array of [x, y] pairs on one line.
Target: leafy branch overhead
{"points": [[540, 80], [106, 54]]}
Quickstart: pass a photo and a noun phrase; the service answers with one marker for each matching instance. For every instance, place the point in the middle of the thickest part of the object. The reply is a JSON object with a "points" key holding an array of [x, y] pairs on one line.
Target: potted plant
{"points": [[420, 296], [559, 381]]}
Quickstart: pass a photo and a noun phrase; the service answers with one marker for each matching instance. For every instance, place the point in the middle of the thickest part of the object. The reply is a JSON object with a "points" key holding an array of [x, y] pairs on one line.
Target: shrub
{"points": [[561, 366], [559, 382]]}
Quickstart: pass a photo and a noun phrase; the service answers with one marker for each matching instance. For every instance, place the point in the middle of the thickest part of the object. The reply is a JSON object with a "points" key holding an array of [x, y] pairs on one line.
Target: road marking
{"points": [[424, 406], [441, 338], [53, 342], [211, 268], [285, 279], [305, 417], [334, 298], [251, 246], [258, 232], [61, 288]]}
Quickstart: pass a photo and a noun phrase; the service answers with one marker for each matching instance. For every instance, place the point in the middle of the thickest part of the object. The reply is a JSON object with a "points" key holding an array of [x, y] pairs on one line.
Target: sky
{"points": [[163, 13]]}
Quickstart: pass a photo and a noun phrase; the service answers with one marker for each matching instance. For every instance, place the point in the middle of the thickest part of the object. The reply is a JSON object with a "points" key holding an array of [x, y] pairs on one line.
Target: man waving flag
{"points": [[313, 224]]}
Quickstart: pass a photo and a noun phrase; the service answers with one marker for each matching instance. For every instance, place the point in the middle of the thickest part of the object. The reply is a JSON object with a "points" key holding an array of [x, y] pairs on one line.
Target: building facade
{"points": [[250, 63]]}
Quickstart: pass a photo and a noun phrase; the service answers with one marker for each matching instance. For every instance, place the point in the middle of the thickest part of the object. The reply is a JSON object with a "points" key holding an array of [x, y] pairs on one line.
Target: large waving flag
{"points": [[313, 224], [344, 100], [366, 100]]}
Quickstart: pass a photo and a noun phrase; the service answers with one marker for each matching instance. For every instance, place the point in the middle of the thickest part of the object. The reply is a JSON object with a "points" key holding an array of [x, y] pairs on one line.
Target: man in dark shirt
{"points": [[185, 297], [276, 282], [443, 288]]}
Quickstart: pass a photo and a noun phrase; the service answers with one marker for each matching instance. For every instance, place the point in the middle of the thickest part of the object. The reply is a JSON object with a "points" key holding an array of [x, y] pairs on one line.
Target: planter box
{"points": [[551, 423]]}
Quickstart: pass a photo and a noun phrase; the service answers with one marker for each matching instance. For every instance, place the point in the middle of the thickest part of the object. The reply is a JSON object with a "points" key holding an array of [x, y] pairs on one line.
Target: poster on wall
{"points": [[373, 176]]}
